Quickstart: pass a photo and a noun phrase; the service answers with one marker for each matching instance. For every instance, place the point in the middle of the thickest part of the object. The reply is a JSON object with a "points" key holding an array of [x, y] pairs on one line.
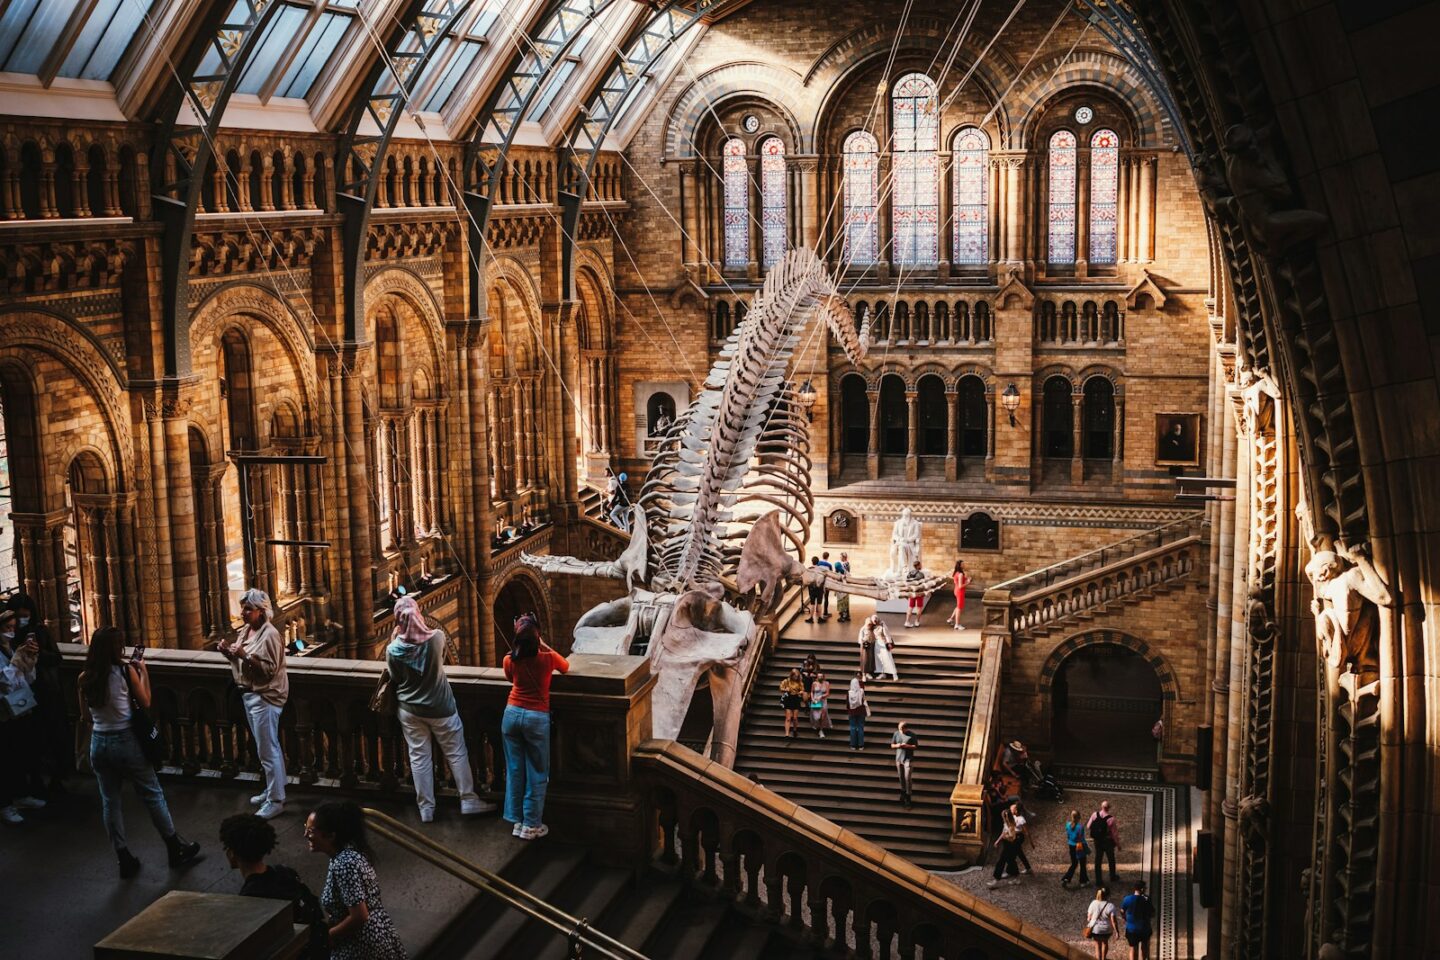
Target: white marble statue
{"points": [[904, 545]]}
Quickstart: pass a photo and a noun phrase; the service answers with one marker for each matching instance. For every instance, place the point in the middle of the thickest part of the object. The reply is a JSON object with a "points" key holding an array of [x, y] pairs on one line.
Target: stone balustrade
{"points": [[836, 889], [970, 826], [1093, 580], [333, 741]]}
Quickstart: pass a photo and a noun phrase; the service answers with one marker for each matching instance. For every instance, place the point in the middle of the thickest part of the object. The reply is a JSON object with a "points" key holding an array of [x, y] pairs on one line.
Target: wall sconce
{"points": [[1010, 400], [807, 397]]}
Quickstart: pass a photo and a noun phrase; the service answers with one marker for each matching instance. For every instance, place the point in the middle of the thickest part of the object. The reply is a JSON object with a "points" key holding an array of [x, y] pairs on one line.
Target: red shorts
{"points": [[917, 603]]}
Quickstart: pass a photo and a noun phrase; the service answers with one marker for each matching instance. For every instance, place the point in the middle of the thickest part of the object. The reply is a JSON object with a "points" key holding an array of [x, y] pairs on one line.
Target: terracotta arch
{"points": [[1045, 683]]}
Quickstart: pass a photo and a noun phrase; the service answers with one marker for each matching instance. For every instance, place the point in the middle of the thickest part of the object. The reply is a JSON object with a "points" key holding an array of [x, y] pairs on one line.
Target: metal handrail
{"points": [[576, 930], [1046, 576]]}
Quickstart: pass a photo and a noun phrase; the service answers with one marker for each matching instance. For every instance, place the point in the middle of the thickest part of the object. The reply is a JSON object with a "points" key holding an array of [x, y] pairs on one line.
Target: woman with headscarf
{"points": [[257, 658], [858, 708], [415, 659], [875, 645]]}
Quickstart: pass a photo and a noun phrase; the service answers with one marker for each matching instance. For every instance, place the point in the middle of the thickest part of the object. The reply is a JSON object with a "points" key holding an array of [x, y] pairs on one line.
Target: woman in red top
{"points": [[526, 727], [961, 580]]}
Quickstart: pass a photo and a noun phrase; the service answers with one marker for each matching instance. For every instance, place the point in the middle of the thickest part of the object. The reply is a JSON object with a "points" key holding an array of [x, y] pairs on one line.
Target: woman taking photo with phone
{"points": [[108, 686], [526, 727]]}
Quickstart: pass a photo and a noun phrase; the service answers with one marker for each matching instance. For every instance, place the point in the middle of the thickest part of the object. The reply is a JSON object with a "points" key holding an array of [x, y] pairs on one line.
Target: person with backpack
{"points": [[1139, 920], [247, 840], [1022, 834], [1104, 831]]}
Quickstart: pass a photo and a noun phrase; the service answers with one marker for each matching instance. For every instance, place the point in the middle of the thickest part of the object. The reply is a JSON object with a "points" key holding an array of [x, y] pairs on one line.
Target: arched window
{"points": [[894, 417], [861, 169], [854, 415], [973, 419], [916, 204], [1104, 195], [1062, 197], [971, 163], [933, 416], [1058, 420], [1098, 419], [772, 201], [737, 205]]}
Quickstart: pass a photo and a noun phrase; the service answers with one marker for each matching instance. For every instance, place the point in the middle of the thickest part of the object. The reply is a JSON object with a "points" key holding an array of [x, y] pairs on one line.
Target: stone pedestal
{"points": [[207, 926], [900, 605]]}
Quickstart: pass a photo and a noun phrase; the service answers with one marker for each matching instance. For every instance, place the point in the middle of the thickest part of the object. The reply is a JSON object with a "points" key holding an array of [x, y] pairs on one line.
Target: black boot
{"points": [[129, 866], [182, 851]]}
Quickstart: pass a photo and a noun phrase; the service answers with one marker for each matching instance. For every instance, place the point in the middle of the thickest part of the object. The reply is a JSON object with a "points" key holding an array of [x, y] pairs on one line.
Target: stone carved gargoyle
{"points": [[1348, 596], [725, 512]]}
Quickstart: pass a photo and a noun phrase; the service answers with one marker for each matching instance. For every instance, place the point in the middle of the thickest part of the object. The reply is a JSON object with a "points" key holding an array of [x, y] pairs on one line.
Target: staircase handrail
{"points": [[576, 930], [1099, 557], [770, 629], [700, 807]]}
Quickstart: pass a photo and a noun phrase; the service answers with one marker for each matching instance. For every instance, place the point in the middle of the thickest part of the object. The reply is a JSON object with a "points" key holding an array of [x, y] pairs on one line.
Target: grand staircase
{"points": [[859, 790], [654, 912]]}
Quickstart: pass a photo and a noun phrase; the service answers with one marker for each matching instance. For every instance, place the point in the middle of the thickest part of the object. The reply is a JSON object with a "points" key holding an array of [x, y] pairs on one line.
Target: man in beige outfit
{"points": [[257, 658]]}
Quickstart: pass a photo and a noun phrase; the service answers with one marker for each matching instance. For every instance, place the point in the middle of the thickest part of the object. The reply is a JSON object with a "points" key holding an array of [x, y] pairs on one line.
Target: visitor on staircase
{"points": [[426, 708], [842, 600], [877, 658], [828, 567], [1079, 849], [809, 670], [792, 697], [917, 602], [819, 705], [961, 580], [257, 660], [858, 708], [360, 929], [525, 727], [1009, 843], [904, 743], [247, 841]]}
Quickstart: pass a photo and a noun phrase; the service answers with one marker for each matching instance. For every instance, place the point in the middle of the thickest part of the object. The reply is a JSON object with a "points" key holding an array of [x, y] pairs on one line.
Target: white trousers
{"points": [[265, 728], [450, 733]]}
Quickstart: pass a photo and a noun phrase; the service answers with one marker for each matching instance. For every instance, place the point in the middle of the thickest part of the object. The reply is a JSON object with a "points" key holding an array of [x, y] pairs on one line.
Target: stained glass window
{"points": [[1104, 194], [1062, 197], [772, 201], [970, 161], [737, 204], [862, 156], [916, 184]]}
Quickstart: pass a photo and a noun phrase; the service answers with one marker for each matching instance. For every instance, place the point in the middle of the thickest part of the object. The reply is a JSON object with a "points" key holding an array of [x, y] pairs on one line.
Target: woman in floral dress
{"points": [[360, 929]]}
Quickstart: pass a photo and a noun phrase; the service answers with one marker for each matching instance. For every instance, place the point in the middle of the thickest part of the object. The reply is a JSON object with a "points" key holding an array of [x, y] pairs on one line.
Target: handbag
{"points": [[151, 743], [383, 700], [17, 701]]}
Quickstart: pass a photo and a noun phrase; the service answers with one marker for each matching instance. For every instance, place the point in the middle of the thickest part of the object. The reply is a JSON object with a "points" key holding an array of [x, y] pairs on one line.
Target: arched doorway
{"points": [[518, 596], [1104, 701]]}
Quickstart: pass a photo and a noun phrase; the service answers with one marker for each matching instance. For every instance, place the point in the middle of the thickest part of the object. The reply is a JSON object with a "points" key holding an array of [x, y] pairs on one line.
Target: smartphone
{"points": [[139, 653]]}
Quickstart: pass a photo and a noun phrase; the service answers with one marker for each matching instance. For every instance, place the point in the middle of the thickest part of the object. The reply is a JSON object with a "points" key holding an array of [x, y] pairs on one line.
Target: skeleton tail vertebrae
{"points": [[745, 439]]}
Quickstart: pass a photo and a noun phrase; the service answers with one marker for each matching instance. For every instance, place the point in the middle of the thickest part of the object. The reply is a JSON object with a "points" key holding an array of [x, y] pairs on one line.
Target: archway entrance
{"points": [[517, 597], [1105, 699]]}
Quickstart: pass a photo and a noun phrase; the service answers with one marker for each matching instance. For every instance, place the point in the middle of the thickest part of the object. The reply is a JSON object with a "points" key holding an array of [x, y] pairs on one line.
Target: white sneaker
{"points": [[472, 807], [30, 803], [534, 833], [269, 810], [519, 831], [822, 734], [427, 815], [11, 815], [259, 799]]}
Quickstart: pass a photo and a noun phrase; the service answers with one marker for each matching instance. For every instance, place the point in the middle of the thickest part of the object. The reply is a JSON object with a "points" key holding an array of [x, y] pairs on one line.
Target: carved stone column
{"points": [[690, 252], [1014, 209], [183, 543], [872, 454], [809, 202], [952, 431], [1235, 683], [1082, 212], [40, 553], [1146, 240], [912, 434], [1077, 436]]}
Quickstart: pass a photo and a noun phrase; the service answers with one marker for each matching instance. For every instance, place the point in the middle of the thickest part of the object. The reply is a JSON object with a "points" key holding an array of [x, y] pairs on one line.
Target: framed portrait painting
{"points": [[1177, 439]]}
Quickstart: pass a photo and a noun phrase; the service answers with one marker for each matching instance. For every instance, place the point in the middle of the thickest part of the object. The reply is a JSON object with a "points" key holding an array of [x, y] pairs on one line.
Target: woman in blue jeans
{"points": [[526, 728], [107, 686]]}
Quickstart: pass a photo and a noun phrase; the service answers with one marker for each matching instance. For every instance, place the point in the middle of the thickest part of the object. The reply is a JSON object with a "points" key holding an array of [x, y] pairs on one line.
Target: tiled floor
{"points": [[64, 890]]}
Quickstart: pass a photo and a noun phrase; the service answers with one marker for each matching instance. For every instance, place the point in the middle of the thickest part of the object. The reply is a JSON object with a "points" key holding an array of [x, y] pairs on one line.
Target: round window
{"points": [[1084, 114], [750, 123]]}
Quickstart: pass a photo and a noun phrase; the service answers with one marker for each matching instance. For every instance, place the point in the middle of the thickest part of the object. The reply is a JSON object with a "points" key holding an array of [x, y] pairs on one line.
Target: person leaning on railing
{"points": [[257, 658], [526, 727], [426, 708]]}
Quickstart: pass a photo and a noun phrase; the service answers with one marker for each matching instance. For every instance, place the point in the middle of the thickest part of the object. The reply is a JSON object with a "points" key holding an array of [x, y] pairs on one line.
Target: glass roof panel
{"points": [[313, 55], [279, 34], [28, 31], [104, 38]]}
